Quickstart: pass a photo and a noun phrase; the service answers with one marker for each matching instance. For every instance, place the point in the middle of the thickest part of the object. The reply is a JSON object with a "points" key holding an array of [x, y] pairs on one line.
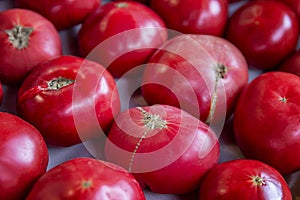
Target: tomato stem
{"points": [[19, 36]]}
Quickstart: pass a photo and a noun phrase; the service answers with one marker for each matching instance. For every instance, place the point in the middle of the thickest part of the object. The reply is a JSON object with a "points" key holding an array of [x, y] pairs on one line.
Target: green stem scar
{"points": [[58, 83], [19, 36]]}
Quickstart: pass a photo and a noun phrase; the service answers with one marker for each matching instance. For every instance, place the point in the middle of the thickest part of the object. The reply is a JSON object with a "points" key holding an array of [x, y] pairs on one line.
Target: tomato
{"points": [[166, 149], [121, 35], [201, 74], [193, 16], [266, 120], [291, 64], [62, 13], [86, 178], [69, 99], [266, 32], [23, 156], [244, 179], [26, 39]]}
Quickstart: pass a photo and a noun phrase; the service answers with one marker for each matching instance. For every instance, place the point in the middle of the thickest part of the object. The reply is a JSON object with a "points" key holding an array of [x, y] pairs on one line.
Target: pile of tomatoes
{"points": [[170, 99]]}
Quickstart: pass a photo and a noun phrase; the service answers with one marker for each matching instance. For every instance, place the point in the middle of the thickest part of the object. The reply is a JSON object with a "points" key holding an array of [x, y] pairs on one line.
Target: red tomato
{"points": [[1, 93], [62, 13], [265, 32], [198, 73], [26, 39], [69, 100], [166, 149], [86, 178], [23, 156], [291, 64], [244, 179], [121, 35], [193, 16], [266, 120]]}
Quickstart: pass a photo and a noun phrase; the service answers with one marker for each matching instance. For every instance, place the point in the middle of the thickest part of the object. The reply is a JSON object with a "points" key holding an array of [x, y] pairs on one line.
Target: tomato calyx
{"points": [[151, 122], [220, 71], [19, 36], [258, 181], [87, 184], [58, 83]]}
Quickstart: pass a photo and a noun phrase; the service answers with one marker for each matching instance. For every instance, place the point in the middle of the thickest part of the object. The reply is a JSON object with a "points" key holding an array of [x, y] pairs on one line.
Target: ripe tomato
{"points": [[244, 179], [193, 16], [266, 120], [198, 73], [69, 99], [26, 39], [291, 64], [86, 178], [23, 156], [166, 149], [62, 13], [121, 35], [265, 32]]}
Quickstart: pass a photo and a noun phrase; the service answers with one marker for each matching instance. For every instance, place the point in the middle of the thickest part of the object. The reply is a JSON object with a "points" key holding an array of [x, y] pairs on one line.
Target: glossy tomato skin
{"points": [[266, 120], [166, 149], [188, 69], [128, 35], [244, 179], [62, 13], [19, 58], [271, 29], [75, 112], [23, 156], [86, 178], [291, 64], [193, 16]]}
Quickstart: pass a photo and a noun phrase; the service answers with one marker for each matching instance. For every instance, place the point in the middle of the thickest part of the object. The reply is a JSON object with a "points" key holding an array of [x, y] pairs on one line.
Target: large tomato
{"points": [[291, 64], [121, 35], [266, 120], [69, 99], [23, 156], [166, 149], [244, 179], [193, 16], [62, 13], [201, 74], [265, 32], [26, 39], [86, 178]]}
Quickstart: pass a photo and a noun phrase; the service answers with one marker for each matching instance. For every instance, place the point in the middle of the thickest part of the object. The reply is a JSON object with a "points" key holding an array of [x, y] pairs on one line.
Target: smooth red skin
{"points": [[264, 126], [295, 5], [44, 44], [23, 156], [180, 176], [114, 20], [220, 50], [232, 180], [291, 64], [259, 29], [62, 13], [66, 181], [53, 112], [193, 16], [1, 93]]}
